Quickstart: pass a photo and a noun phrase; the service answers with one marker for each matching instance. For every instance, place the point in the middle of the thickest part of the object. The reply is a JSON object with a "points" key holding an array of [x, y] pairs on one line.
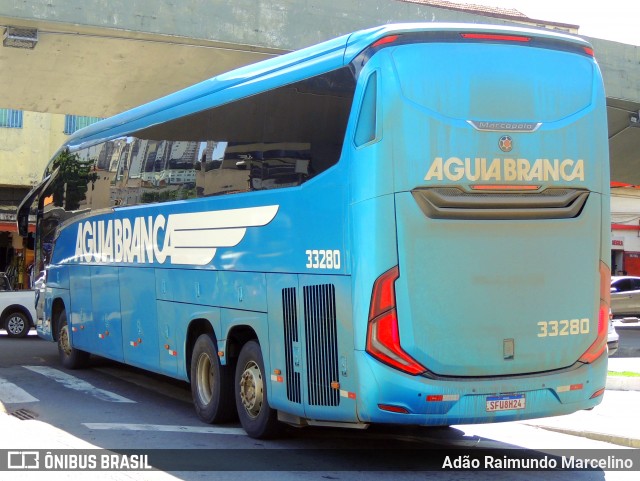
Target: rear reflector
{"points": [[495, 36], [599, 392], [393, 409], [571, 387], [442, 397], [347, 394]]}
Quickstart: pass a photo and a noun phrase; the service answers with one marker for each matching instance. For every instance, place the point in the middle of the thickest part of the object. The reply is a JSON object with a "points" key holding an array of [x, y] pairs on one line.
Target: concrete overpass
{"points": [[100, 57]]}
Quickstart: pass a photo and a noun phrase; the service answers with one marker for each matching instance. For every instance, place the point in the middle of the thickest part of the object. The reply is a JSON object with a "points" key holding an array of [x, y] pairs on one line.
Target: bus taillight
{"points": [[597, 348], [383, 297], [385, 40], [383, 335]]}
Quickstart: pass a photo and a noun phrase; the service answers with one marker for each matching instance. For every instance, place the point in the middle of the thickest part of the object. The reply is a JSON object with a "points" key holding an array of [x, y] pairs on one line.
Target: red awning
{"points": [[12, 227]]}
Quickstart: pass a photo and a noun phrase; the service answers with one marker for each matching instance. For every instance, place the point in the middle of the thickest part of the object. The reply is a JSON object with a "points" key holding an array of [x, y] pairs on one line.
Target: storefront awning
{"points": [[6, 226]]}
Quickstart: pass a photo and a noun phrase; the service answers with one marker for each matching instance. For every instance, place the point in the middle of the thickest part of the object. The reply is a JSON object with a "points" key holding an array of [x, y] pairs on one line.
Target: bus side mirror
{"points": [[23, 221], [24, 209]]}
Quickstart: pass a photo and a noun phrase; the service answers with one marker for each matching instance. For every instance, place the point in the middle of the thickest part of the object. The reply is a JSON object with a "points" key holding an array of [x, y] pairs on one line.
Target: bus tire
{"points": [[17, 324], [258, 419], [211, 383], [70, 357]]}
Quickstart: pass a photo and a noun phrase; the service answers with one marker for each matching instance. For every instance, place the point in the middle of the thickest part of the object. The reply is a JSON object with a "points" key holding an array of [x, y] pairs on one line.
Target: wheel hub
{"points": [[15, 325], [65, 344], [252, 389], [205, 379]]}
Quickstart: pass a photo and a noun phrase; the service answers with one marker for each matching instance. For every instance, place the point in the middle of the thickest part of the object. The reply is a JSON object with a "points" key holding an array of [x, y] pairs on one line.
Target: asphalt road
{"points": [[115, 407]]}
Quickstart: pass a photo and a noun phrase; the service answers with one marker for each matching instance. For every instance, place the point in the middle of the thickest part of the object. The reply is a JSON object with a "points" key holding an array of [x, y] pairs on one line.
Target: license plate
{"points": [[506, 403]]}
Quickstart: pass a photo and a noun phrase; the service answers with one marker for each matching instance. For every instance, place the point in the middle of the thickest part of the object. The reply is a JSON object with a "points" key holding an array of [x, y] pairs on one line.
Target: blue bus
{"points": [[408, 224]]}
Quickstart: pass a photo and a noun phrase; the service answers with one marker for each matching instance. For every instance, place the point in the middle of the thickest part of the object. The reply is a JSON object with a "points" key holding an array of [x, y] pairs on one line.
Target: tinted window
{"points": [[366, 126], [622, 285], [279, 138]]}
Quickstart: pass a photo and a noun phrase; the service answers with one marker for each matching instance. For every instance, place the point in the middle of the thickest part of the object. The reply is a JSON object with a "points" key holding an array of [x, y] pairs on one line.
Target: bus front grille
{"points": [[290, 318], [321, 344], [456, 203]]}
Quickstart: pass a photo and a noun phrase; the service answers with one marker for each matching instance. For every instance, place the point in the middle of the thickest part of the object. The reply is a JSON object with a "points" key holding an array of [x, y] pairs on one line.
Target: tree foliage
{"points": [[72, 180]]}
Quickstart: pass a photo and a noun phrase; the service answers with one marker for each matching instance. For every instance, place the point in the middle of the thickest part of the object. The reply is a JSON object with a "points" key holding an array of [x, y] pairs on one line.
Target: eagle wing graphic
{"points": [[193, 238]]}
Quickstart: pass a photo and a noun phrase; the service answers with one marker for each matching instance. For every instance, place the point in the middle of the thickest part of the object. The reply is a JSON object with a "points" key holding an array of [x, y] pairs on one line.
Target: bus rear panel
{"points": [[492, 160]]}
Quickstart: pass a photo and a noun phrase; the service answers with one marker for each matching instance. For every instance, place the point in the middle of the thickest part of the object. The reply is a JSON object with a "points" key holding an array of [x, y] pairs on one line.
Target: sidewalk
{"points": [[616, 419], [623, 383], [621, 364]]}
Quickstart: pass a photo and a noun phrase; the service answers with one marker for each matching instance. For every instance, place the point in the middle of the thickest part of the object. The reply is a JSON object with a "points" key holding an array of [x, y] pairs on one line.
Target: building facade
{"points": [[27, 141], [625, 230]]}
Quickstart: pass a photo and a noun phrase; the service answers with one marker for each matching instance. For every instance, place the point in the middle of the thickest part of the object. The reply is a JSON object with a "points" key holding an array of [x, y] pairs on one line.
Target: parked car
{"points": [[17, 309], [625, 296], [613, 339]]}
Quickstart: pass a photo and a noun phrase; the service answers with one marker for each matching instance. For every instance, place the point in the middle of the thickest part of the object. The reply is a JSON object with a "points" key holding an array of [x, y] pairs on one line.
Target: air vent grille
{"points": [[321, 344], [290, 317]]}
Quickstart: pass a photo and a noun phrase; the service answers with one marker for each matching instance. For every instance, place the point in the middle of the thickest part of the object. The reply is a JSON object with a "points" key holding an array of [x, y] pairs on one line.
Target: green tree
{"points": [[72, 180]]}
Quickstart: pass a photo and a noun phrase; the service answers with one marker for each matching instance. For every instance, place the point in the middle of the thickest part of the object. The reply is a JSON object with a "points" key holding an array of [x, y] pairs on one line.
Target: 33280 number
{"points": [[323, 259], [566, 327]]}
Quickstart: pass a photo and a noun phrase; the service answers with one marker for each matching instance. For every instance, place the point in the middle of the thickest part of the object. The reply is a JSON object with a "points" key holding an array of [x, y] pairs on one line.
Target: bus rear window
{"points": [[478, 80]]}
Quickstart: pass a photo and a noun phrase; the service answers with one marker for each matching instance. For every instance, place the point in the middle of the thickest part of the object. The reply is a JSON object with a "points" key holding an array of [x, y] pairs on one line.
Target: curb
{"points": [[607, 438], [622, 383]]}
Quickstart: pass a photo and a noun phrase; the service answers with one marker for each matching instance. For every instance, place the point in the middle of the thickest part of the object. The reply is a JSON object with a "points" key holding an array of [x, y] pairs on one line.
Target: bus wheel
{"points": [[70, 357], [211, 383], [17, 324], [256, 417]]}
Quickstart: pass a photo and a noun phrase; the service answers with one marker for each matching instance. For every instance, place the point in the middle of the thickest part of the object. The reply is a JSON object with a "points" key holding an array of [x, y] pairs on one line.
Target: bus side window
{"points": [[366, 126], [275, 139]]}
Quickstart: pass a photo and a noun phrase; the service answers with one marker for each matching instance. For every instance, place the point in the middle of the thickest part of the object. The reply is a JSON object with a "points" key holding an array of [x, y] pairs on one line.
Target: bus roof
{"points": [[269, 74]]}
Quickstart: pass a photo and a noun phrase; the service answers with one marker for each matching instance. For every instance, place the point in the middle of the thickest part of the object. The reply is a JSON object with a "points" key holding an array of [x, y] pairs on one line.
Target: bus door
{"points": [[139, 322], [80, 315], [107, 317]]}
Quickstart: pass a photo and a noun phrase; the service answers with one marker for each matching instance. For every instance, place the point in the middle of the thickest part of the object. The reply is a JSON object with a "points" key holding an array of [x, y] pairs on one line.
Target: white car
{"points": [[17, 309], [613, 338], [625, 296]]}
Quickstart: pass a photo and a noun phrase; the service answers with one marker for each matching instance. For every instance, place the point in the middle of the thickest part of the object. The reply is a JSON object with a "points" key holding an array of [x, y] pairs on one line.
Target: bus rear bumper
{"points": [[389, 396]]}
